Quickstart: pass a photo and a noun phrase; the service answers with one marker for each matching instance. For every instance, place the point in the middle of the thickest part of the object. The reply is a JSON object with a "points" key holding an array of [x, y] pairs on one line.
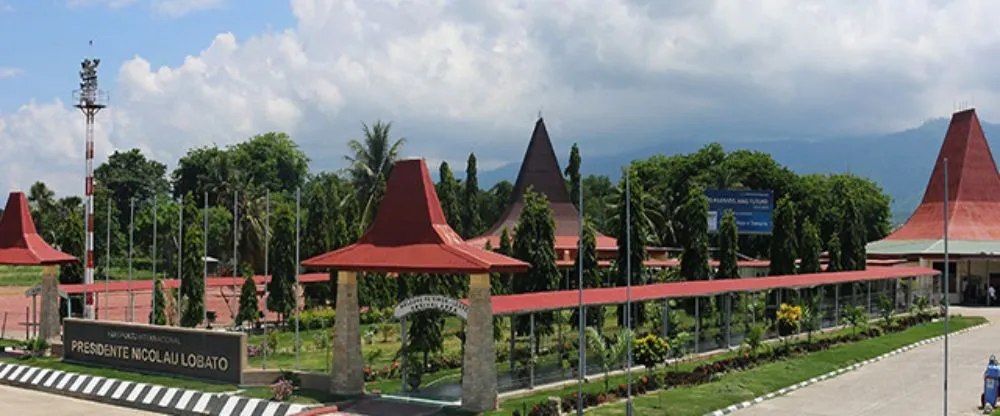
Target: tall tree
{"points": [[41, 203], [471, 221], [192, 282], [496, 200], [784, 244], [587, 261], [728, 247], [157, 315], [447, 190], [833, 254], [318, 231], [694, 238], [370, 161], [280, 290], [130, 174], [572, 173], [852, 234], [506, 247], [249, 309], [534, 243], [810, 249], [69, 239]]}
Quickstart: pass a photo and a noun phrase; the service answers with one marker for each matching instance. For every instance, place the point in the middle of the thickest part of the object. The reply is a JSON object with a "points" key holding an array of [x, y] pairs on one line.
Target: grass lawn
{"points": [[746, 385], [31, 275]]}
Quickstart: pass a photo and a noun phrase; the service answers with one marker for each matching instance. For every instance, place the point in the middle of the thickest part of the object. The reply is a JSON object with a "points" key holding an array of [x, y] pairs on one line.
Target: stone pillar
{"points": [[348, 366], [479, 372], [49, 325]]}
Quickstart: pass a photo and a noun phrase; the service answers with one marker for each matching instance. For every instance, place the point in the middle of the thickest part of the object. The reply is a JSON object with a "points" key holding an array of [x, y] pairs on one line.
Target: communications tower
{"points": [[90, 100]]}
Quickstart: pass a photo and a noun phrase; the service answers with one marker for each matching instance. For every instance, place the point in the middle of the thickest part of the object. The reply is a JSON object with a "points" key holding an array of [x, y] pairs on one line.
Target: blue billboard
{"points": [[754, 210]]}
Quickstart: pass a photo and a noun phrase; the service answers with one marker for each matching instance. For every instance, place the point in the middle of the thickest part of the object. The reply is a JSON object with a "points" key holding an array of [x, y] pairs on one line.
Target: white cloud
{"points": [[8, 72], [460, 75]]}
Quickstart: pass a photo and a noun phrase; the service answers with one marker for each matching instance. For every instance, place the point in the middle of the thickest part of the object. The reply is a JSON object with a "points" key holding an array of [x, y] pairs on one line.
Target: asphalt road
{"points": [[908, 384], [23, 402]]}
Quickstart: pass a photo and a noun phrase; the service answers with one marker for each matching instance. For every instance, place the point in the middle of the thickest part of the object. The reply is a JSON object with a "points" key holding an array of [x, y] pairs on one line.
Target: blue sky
{"points": [[463, 76], [48, 38]]}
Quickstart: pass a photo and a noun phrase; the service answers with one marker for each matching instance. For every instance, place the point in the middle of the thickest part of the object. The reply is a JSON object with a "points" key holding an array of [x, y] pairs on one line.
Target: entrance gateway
{"points": [[418, 304]]}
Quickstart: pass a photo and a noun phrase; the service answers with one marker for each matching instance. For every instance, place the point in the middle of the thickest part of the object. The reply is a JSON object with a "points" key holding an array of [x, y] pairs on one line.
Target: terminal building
{"points": [[973, 208]]}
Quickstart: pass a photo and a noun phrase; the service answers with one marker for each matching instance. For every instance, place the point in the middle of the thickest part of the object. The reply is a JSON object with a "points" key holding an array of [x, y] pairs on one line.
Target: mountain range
{"points": [[900, 162]]}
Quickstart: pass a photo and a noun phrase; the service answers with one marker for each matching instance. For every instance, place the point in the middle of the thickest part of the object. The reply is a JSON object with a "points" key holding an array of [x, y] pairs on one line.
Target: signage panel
{"points": [[754, 210], [196, 353], [425, 302]]}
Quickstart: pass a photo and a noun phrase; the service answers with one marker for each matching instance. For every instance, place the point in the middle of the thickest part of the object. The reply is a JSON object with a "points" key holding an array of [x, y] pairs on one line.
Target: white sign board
{"points": [[425, 302]]}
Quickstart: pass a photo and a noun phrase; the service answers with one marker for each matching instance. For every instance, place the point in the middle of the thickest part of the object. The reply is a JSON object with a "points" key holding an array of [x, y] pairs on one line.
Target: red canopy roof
{"points": [[973, 188], [410, 234], [20, 244], [564, 299], [540, 171]]}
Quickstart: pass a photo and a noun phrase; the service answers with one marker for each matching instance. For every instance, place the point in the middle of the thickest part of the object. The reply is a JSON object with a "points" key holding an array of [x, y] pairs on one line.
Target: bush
{"points": [[788, 318], [317, 318], [651, 351]]}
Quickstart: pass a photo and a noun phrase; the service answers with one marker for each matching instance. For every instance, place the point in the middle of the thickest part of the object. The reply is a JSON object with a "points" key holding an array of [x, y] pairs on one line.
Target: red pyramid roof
{"points": [[20, 243], [540, 171], [973, 188], [410, 234]]}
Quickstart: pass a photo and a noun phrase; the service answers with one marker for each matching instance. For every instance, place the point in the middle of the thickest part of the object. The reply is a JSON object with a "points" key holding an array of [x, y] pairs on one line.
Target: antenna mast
{"points": [[90, 100]]}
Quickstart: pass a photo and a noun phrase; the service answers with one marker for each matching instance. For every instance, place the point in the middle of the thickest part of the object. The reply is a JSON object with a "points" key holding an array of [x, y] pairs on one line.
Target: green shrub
{"points": [[651, 351], [317, 318]]}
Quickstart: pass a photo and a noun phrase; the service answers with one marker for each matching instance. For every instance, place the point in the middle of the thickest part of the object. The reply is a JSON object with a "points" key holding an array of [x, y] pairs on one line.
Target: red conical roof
{"points": [[540, 171], [410, 235], [20, 244], [973, 188]]}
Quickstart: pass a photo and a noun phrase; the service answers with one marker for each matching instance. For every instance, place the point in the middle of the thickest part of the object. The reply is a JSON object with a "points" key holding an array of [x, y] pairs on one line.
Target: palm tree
{"points": [[370, 163], [610, 353]]}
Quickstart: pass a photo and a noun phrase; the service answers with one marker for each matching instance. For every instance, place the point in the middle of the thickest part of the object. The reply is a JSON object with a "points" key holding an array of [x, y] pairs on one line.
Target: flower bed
{"points": [[704, 373]]}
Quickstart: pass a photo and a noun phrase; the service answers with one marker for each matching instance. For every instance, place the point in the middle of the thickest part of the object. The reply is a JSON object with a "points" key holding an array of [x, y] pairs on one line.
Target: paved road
{"points": [[23, 402], [907, 384]]}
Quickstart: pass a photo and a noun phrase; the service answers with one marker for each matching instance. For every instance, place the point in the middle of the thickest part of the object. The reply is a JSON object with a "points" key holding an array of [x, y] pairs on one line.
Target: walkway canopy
{"points": [[566, 299]]}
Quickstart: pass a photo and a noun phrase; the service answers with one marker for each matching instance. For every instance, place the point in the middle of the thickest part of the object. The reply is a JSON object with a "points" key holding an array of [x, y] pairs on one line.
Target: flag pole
{"points": [[947, 302], [204, 262], [152, 313], [131, 235], [628, 287], [298, 287], [180, 255], [582, 347], [236, 227], [107, 262], [267, 244]]}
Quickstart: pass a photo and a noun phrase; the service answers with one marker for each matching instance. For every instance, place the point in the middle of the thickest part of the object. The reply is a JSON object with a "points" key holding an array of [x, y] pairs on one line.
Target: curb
{"points": [[142, 396], [835, 373]]}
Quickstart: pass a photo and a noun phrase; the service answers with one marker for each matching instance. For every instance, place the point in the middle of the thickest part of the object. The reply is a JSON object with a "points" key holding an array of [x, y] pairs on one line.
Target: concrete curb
{"points": [[142, 396], [835, 373]]}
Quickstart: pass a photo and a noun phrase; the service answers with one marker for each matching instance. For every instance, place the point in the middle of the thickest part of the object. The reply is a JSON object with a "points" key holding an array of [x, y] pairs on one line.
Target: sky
{"points": [[461, 76]]}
